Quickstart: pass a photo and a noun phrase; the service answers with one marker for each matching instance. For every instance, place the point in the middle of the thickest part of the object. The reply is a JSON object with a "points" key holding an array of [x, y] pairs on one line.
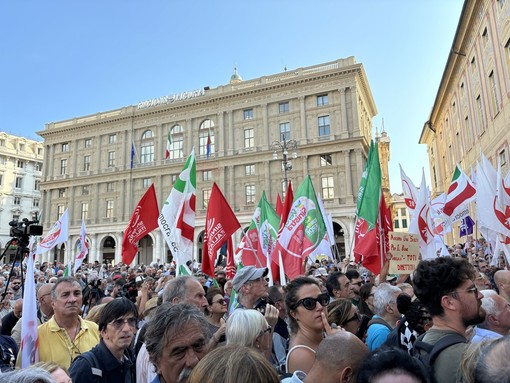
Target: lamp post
{"points": [[285, 145]]}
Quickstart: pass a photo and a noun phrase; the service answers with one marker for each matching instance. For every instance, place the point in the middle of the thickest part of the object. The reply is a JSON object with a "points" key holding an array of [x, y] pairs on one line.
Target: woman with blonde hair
{"points": [[344, 314], [232, 364], [59, 374]]}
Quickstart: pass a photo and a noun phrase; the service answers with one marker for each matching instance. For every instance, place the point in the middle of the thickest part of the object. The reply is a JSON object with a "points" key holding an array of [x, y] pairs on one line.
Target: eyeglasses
{"points": [[119, 323], [221, 301], [469, 291], [356, 316], [310, 303]]}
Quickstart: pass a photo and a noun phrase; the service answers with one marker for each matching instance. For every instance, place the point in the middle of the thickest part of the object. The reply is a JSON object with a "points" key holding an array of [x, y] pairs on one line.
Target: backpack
{"points": [[93, 362], [379, 321], [427, 353]]}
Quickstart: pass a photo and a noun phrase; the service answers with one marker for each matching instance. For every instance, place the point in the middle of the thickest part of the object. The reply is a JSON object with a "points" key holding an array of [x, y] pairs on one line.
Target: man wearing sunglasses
{"points": [[111, 360], [446, 288]]}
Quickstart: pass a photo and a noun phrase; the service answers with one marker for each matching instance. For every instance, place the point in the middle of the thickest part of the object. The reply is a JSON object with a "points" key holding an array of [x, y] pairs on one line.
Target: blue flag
{"points": [[466, 226]]}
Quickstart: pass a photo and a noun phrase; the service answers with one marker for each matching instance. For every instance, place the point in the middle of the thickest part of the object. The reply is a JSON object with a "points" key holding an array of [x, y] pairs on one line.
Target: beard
{"points": [[184, 375], [475, 319]]}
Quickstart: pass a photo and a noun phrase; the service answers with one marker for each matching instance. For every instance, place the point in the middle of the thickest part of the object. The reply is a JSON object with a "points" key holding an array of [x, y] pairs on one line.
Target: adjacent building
{"points": [[21, 165], [327, 109], [471, 112]]}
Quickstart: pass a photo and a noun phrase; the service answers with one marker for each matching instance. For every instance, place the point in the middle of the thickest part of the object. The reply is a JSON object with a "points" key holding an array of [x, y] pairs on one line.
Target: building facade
{"points": [[327, 109], [471, 112], [401, 217], [21, 165]]}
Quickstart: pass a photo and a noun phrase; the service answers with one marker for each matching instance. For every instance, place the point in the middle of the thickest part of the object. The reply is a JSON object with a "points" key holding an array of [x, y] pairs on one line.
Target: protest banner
{"points": [[405, 249]]}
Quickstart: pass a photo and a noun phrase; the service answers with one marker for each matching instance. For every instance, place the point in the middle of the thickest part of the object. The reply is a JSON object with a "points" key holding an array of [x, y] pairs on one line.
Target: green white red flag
{"points": [[460, 192], [303, 231], [366, 250], [168, 144], [177, 218], [142, 222], [220, 224], [268, 234], [250, 255], [82, 247]]}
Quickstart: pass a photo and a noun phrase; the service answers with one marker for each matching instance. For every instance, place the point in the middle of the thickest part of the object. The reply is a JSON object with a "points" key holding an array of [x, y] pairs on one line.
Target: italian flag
{"points": [[168, 144], [460, 192]]}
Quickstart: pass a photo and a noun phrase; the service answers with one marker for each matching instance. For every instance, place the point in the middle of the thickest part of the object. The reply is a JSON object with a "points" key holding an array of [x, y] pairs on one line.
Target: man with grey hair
{"points": [[185, 289], [492, 365], [386, 315], [497, 317], [176, 339]]}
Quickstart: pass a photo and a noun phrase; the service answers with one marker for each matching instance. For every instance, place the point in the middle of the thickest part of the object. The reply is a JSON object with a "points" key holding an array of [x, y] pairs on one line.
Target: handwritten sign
{"points": [[406, 252]]}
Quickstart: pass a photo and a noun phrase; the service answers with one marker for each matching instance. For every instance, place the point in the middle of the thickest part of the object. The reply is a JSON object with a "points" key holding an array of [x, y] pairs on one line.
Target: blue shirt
{"points": [[376, 335]]}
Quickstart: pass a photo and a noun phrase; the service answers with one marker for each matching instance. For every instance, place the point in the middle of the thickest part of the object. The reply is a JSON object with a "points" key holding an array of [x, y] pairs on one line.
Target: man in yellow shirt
{"points": [[66, 335]]}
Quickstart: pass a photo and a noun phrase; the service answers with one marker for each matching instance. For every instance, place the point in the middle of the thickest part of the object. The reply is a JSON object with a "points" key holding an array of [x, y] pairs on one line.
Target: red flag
{"points": [[287, 205], [279, 205], [142, 222], [231, 267], [220, 224], [384, 226]]}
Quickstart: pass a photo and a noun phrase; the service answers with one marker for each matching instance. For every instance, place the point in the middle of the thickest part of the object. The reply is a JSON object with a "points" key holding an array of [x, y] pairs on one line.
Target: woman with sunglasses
{"points": [[215, 314], [306, 305], [344, 314]]}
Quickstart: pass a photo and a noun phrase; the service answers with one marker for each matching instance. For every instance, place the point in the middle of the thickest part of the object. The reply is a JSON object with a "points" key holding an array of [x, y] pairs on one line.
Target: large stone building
{"points": [[471, 112], [327, 109], [21, 163]]}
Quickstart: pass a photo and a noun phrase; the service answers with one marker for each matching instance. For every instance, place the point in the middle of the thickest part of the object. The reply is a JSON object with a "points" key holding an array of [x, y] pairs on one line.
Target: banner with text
{"points": [[405, 249]]}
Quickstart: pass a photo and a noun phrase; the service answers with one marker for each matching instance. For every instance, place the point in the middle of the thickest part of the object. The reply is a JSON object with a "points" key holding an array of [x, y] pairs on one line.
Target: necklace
{"points": [[71, 343]]}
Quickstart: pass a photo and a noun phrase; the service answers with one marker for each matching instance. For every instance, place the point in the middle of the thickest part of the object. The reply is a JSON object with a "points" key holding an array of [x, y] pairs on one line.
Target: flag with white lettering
{"points": [[220, 224], [58, 234], [29, 337]]}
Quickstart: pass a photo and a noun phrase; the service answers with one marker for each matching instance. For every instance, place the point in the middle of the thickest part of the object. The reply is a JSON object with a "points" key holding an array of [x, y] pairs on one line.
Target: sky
{"points": [[65, 59]]}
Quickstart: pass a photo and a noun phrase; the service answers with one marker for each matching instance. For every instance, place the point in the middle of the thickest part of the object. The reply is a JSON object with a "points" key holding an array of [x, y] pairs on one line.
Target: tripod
{"points": [[21, 250]]}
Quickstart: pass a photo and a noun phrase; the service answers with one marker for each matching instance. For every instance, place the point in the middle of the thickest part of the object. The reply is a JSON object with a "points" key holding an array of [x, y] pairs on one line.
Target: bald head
{"points": [[44, 298], [502, 281], [333, 366]]}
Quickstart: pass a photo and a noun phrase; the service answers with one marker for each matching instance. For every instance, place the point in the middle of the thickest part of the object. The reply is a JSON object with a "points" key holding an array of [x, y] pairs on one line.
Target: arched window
{"points": [[206, 136], [147, 147]]}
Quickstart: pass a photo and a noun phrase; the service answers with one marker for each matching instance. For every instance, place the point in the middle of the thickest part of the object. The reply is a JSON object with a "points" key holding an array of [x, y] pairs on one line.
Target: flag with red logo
{"points": [[268, 235], [460, 192], [250, 255], [177, 218], [220, 224], [423, 222], [303, 231], [82, 247], [58, 234], [410, 191], [142, 222], [367, 211]]}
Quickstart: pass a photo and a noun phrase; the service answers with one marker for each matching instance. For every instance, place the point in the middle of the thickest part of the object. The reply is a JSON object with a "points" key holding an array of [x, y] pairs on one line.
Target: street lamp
{"points": [[285, 145]]}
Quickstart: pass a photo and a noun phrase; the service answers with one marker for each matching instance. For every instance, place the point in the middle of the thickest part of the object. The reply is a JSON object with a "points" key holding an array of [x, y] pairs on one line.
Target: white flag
{"points": [[58, 234], [83, 247], [177, 217], [29, 338]]}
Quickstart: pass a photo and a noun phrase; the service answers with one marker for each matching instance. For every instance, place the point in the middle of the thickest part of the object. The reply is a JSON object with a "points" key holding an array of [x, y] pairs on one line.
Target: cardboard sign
{"points": [[406, 252]]}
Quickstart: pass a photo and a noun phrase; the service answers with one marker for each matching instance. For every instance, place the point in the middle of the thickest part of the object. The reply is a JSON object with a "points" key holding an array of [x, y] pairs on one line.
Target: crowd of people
{"points": [[446, 322]]}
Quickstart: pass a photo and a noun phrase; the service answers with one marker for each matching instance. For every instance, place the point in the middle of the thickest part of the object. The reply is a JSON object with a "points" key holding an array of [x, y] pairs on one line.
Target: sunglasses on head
{"points": [[311, 303]]}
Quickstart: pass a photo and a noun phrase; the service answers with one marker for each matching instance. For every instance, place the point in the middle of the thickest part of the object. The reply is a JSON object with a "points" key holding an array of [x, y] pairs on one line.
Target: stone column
{"points": [[302, 115], [348, 177], [344, 131], [354, 112]]}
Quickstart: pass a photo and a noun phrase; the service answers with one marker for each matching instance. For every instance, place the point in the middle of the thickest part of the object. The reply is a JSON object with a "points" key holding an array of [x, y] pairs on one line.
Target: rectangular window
{"points": [[326, 160], [111, 159], [62, 193], [109, 208], [207, 175], [494, 93], [17, 200], [249, 170], [86, 163], [480, 116], [112, 138], [323, 126], [35, 203], [19, 182], [38, 166], [402, 211], [20, 164], [328, 187], [322, 100], [206, 196], [396, 224], [502, 157], [60, 210], [147, 182], [63, 166], [39, 151], [22, 147], [249, 138], [87, 143], [85, 210], [283, 107], [110, 187], [285, 131], [2, 160], [250, 194], [404, 223], [247, 114], [176, 150], [37, 184], [65, 147], [85, 190], [2, 142], [1, 179]]}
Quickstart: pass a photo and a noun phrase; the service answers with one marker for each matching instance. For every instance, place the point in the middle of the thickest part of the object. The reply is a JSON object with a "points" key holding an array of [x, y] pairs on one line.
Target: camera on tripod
{"points": [[25, 228]]}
